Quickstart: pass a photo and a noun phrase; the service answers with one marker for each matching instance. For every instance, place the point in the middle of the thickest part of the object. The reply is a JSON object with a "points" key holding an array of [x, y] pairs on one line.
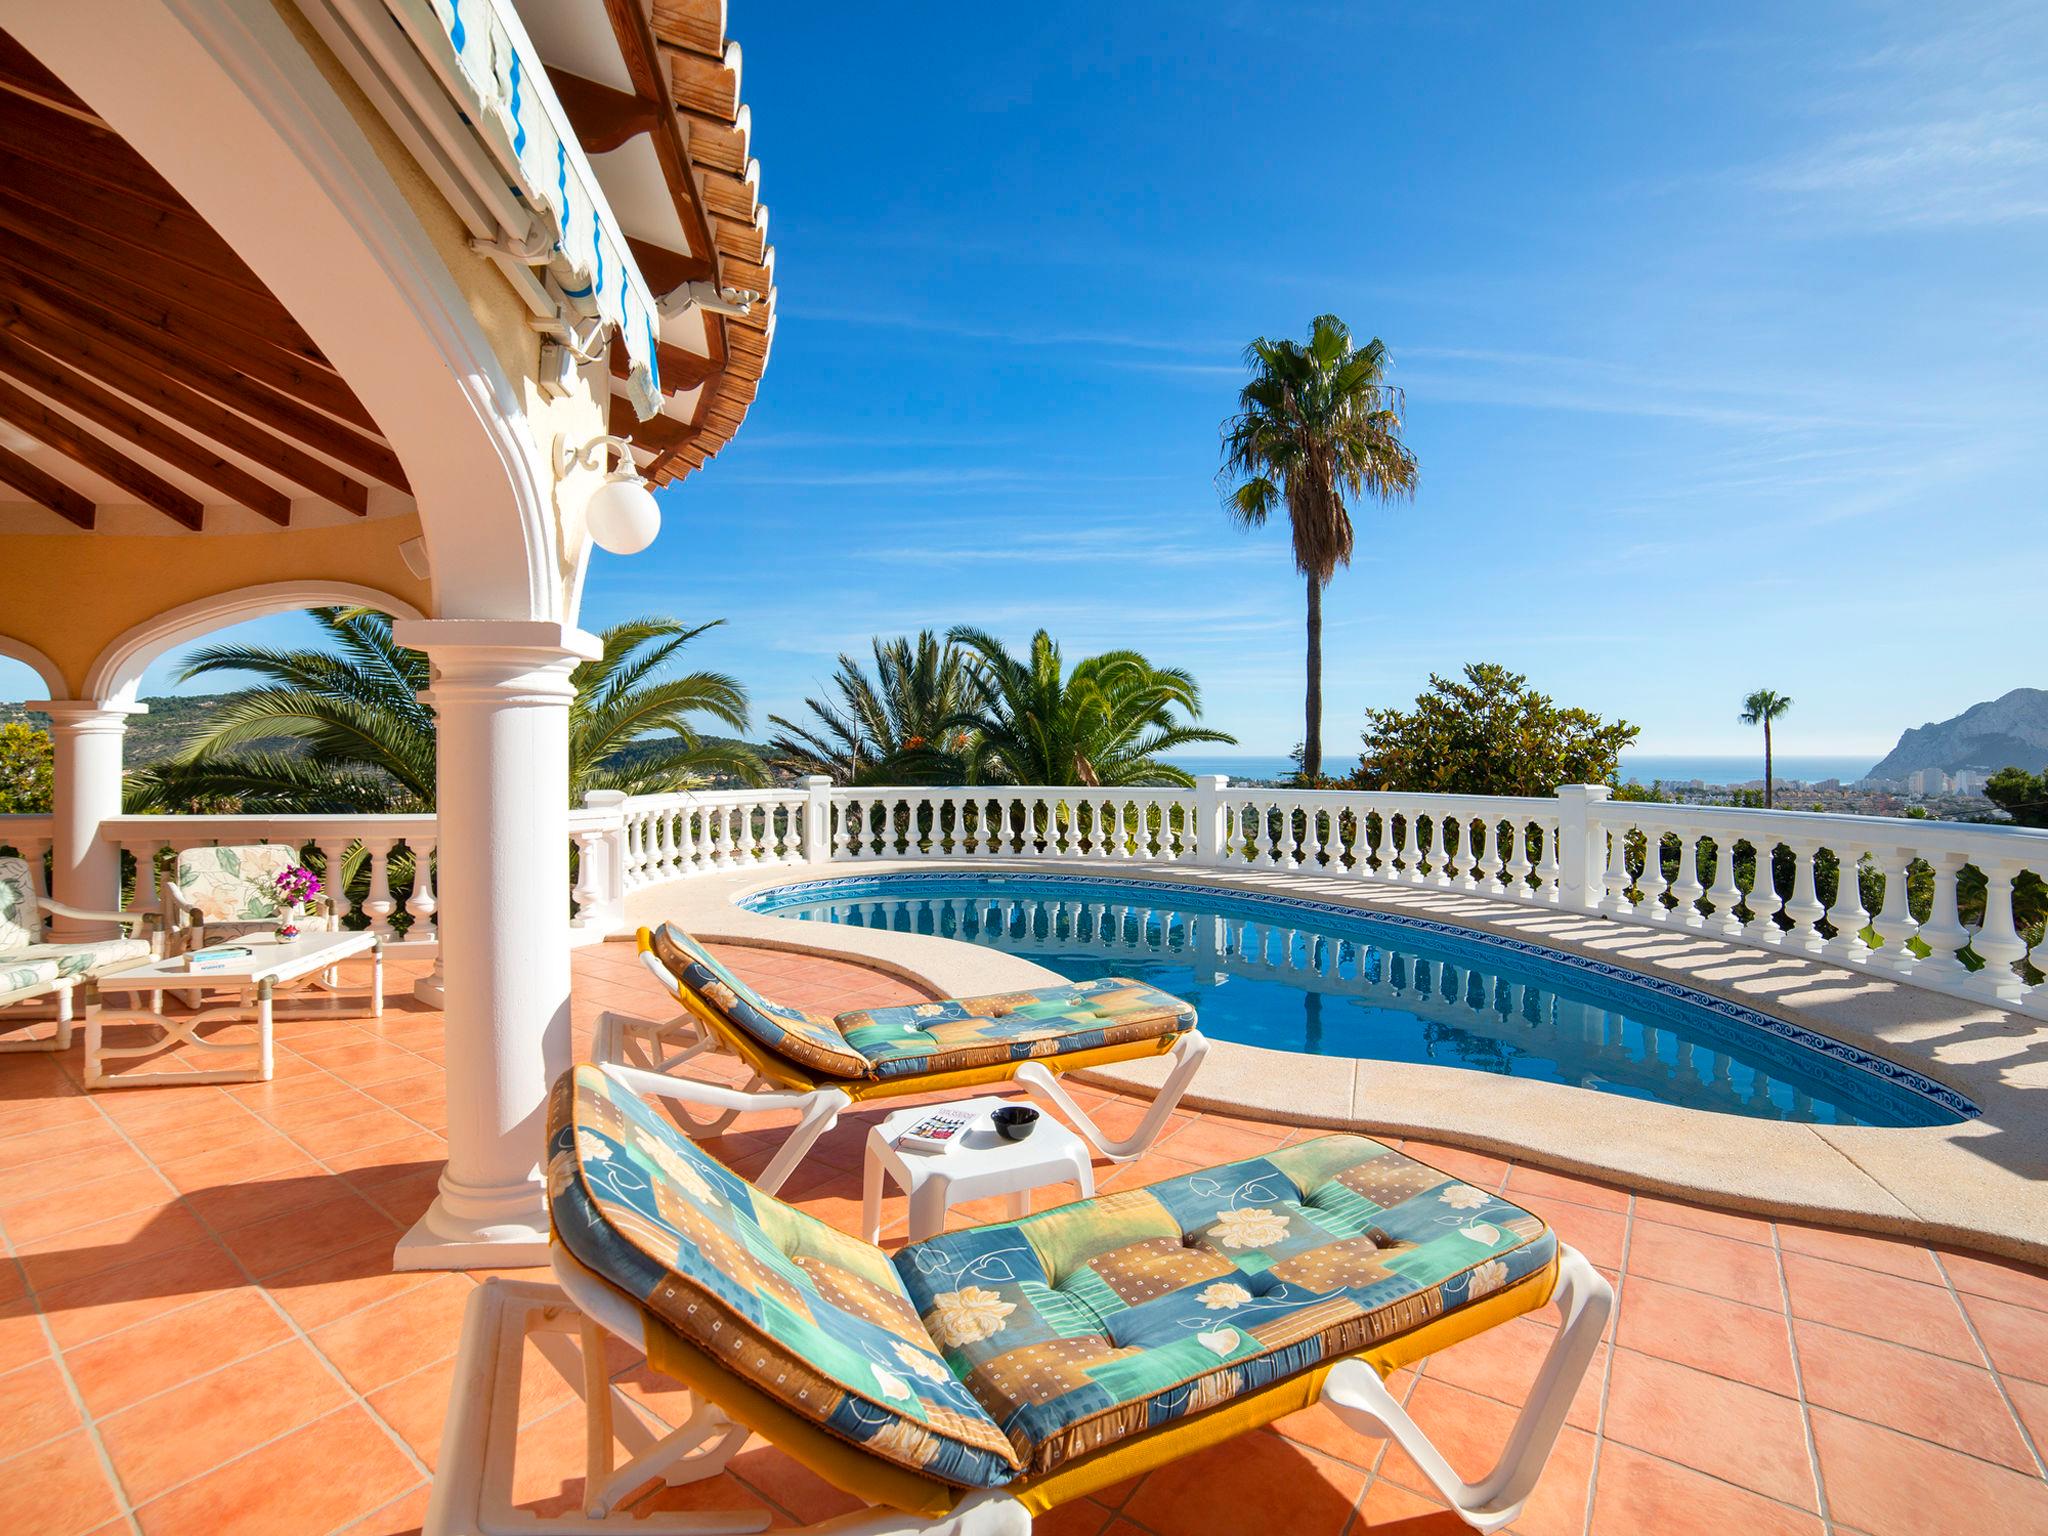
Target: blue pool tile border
{"points": [[1840, 1051]]}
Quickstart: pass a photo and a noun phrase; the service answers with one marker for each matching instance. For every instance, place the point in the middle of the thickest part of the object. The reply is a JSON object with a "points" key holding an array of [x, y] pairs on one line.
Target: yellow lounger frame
{"points": [[780, 1084]]}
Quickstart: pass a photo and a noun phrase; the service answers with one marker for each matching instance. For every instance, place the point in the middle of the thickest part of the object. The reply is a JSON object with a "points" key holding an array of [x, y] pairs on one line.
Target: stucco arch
{"points": [[321, 201], [51, 675], [117, 670]]}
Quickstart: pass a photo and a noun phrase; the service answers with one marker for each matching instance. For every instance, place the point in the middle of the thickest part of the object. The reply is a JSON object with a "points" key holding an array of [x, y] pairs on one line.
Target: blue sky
{"points": [[1722, 330]]}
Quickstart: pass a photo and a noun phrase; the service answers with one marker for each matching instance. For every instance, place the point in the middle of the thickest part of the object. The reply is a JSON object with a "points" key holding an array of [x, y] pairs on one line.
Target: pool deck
{"points": [[1983, 1182]]}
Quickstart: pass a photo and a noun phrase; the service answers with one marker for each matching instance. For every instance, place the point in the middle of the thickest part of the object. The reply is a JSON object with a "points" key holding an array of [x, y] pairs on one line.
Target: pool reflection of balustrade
{"points": [[1951, 906]]}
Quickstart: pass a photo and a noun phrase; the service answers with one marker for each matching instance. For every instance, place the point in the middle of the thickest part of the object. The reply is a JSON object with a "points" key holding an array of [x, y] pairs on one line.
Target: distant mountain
{"points": [[2011, 732], [172, 722]]}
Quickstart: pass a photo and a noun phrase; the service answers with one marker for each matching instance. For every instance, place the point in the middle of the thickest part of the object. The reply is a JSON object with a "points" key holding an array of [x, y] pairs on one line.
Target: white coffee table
{"points": [[254, 979], [978, 1165]]}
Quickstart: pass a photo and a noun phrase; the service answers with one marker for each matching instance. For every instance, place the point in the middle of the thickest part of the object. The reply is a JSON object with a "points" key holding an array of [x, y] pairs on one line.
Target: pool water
{"points": [[1306, 976]]}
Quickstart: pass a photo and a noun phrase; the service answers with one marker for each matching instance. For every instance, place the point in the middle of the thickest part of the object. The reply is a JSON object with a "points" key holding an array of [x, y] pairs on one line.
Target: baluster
{"points": [[1431, 869], [379, 906], [1108, 830], [1615, 902], [663, 857], [1804, 908], [849, 842], [422, 904], [1549, 873], [1998, 943], [1725, 894], [1464, 861], [1519, 868], [1652, 882], [1380, 845], [333, 855], [1312, 839], [1895, 923], [1847, 913], [147, 897], [1398, 835], [1487, 847], [1688, 890], [1764, 899], [1943, 933]]}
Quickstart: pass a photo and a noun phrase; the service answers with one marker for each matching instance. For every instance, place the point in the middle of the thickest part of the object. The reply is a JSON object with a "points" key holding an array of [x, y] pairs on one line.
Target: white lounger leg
{"points": [[1354, 1390], [472, 1486], [1042, 1083]]}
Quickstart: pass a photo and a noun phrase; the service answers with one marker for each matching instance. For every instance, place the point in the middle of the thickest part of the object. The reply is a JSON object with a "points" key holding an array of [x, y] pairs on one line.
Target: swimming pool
{"points": [[1298, 975]]}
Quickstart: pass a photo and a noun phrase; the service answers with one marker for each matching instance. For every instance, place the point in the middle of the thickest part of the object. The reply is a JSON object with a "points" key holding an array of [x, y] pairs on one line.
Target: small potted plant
{"points": [[296, 886]]}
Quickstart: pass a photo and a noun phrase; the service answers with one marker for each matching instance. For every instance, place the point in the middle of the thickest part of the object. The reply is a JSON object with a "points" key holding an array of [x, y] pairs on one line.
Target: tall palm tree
{"points": [[889, 726], [1316, 423], [368, 741], [1761, 708], [1106, 722]]}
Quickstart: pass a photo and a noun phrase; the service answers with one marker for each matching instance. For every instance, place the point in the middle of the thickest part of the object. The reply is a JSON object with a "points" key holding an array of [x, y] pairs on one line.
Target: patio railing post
{"points": [[1209, 835], [85, 791], [599, 830], [1581, 847], [817, 818]]}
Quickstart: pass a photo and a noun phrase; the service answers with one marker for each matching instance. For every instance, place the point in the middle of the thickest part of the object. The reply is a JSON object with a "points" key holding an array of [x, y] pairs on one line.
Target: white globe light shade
{"points": [[622, 516]]}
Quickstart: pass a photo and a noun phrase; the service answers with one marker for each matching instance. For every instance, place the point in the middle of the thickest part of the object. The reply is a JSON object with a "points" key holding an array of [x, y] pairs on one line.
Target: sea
{"points": [[1642, 768]]}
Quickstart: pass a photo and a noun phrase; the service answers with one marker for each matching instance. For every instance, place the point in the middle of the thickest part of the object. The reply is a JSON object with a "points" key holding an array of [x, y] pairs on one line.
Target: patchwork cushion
{"points": [[18, 971], [963, 1032], [805, 1313], [90, 957], [21, 914], [1094, 1322], [234, 884], [806, 1038]]}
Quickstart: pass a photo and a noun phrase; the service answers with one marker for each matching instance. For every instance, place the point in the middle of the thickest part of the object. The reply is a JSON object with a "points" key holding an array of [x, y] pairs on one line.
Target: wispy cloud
{"points": [[1989, 167], [940, 477]]}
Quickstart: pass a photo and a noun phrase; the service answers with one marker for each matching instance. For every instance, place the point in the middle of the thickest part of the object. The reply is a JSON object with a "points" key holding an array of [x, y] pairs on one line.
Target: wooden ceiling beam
{"points": [[41, 486], [188, 408], [79, 244], [184, 238], [603, 118], [161, 353], [64, 143], [645, 68], [67, 437], [680, 368], [284, 371], [23, 72], [55, 380]]}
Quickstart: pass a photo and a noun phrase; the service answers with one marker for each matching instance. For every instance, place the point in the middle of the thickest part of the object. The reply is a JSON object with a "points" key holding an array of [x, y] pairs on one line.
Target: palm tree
{"points": [[890, 726], [1104, 723], [367, 740], [1761, 708], [1315, 424]]}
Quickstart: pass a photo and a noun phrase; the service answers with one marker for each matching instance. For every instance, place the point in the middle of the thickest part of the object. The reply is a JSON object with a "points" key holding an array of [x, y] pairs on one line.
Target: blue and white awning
{"points": [[483, 56]]}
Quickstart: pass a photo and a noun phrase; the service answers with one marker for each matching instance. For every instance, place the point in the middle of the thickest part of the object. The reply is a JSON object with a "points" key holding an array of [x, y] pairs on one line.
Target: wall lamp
{"points": [[622, 515]]}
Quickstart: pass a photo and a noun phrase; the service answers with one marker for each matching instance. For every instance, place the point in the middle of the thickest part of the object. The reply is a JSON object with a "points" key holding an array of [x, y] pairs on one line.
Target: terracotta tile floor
{"points": [[199, 1331]]}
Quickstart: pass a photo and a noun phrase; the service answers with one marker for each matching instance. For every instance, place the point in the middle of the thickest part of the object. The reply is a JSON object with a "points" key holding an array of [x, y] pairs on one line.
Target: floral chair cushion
{"points": [[809, 1039], [963, 1032], [1093, 1322], [805, 1313], [234, 885], [21, 914], [18, 973], [89, 957]]}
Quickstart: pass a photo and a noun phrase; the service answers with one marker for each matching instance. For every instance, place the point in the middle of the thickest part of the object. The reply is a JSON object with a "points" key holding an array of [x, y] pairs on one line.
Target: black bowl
{"points": [[1015, 1121]]}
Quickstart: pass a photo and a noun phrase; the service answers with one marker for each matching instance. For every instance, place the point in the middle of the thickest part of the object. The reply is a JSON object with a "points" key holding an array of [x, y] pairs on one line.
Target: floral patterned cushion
{"points": [[17, 972], [810, 1316], [89, 957], [234, 884], [963, 1032], [21, 914], [806, 1038], [1093, 1322]]}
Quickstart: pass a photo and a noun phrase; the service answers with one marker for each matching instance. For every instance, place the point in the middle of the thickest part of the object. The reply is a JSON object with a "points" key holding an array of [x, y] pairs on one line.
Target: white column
{"points": [[85, 791], [501, 693], [1207, 843], [1581, 849]]}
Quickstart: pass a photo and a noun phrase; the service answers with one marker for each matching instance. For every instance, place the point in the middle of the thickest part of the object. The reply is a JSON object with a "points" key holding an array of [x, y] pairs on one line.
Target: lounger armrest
{"points": [[82, 914], [656, 1085], [180, 910]]}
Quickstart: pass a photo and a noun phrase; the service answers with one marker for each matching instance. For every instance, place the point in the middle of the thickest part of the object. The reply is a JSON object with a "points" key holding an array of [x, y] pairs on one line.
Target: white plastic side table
{"points": [[978, 1165]]}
